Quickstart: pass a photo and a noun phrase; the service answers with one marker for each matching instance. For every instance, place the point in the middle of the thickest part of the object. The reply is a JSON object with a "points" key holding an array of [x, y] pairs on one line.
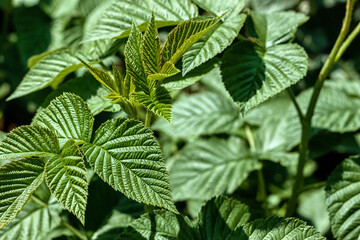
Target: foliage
{"points": [[181, 119]]}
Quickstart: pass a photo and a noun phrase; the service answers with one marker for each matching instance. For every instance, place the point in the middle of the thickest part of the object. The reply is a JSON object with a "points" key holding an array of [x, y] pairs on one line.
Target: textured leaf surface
{"points": [[151, 48], [65, 175], [52, 69], [218, 7], [158, 102], [18, 180], [203, 113], [252, 75], [160, 226], [69, 117], [206, 168], [343, 199], [183, 36], [34, 222], [276, 228], [213, 42], [27, 141], [220, 216], [133, 59], [276, 28], [120, 15], [125, 154]]}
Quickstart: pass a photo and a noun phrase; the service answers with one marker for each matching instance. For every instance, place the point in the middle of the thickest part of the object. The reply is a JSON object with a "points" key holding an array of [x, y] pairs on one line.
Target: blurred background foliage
{"points": [[32, 27]]}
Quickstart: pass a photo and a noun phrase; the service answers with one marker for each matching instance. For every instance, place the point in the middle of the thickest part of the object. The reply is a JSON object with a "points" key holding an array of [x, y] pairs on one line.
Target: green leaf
{"points": [[343, 199], [117, 19], [34, 222], [183, 36], [276, 228], [252, 75], [218, 7], [125, 154], [150, 48], [272, 6], [69, 117], [203, 113], [168, 70], [133, 59], [29, 141], [220, 216], [65, 175], [276, 28], [50, 70], [18, 180], [213, 42], [205, 168], [159, 101], [161, 225]]}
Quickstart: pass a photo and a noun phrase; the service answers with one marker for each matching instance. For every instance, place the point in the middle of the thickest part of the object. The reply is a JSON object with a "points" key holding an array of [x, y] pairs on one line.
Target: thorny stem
{"points": [[306, 123], [261, 194]]}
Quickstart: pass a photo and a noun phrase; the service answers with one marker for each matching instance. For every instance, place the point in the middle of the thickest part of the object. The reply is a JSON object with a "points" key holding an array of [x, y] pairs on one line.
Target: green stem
{"points": [[148, 208], [74, 231], [306, 123], [148, 118], [347, 42], [38, 201], [296, 104]]}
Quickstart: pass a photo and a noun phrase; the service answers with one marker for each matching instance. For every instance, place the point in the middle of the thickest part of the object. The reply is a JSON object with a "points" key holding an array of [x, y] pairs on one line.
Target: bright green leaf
{"points": [[150, 48], [168, 70], [205, 168], [69, 117], [183, 36], [252, 75], [220, 216], [276, 228], [125, 154], [18, 180], [50, 70], [65, 175], [28, 141], [213, 42], [158, 102], [343, 199]]}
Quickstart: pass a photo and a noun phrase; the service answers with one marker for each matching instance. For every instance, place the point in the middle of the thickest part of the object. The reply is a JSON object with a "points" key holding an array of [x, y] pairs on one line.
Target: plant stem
{"points": [[347, 42], [38, 201], [148, 118], [306, 123], [74, 231], [297, 107]]}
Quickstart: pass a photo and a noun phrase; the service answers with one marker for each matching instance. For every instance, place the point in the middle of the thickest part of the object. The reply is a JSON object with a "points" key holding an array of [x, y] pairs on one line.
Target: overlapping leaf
{"points": [[159, 101], [343, 199], [66, 177], [28, 141], [50, 70], [206, 168], [117, 19], [124, 153], [18, 180], [150, 48], [220, 216], [69, 117], [252, 74], [213, 42], [276, 228], [218, 7]]}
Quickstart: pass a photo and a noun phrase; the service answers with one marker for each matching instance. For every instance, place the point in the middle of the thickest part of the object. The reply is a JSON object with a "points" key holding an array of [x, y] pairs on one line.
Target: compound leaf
{"points": [[151, 48], [252, 74], [276, 228], [159, 101], [220, 216], [343, 199], [50, 70], [206, 168], [124, 153], [69, 117], [28, 141], [183, 36], [213, 42], [18, 180], [65, 175]]}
